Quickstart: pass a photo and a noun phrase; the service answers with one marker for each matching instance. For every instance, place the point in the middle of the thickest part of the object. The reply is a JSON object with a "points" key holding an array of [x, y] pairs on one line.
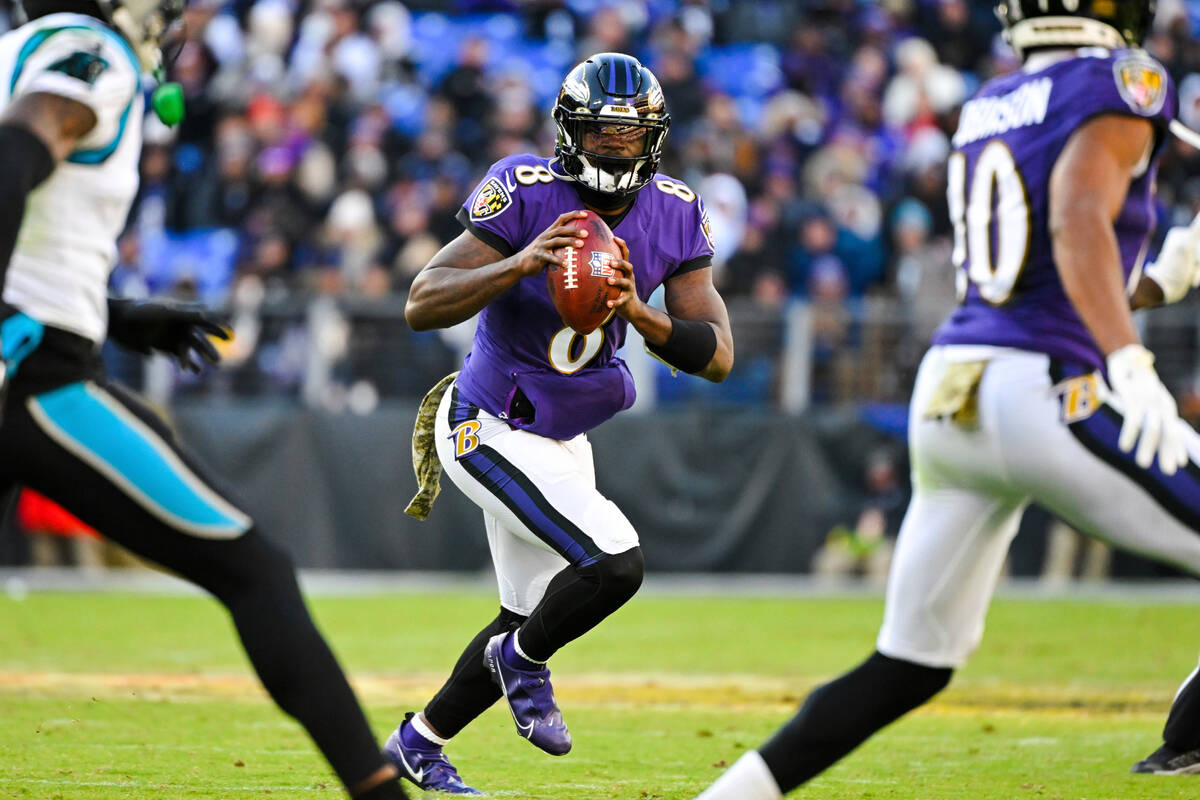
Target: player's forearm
{"points": [[25, 161], [658, 329], [444, 296], [1088, 261]]}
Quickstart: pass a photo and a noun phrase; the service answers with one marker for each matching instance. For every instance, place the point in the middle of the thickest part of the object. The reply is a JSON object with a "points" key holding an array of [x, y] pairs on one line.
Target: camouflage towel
{"points": [[424, 451]]}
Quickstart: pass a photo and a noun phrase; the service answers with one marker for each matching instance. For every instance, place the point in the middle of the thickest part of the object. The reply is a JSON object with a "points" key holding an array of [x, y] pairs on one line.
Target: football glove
{"points": [[1151, 418], [1177, 269], [180, 331], [20, 335]]}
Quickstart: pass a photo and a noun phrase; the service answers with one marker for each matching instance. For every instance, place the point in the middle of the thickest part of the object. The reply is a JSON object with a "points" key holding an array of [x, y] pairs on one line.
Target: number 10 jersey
{"points": [[1010, 135]]}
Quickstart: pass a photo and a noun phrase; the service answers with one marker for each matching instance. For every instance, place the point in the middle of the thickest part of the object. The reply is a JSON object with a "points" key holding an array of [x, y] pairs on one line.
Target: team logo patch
{"points": [[490, 200], [1142, 84], [601, 264], [86, 67], [706, 227]]}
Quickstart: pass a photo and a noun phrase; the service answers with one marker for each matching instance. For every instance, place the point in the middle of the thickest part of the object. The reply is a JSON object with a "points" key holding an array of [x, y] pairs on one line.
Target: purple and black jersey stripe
{"points": [[1178, 494], [521, 496]]}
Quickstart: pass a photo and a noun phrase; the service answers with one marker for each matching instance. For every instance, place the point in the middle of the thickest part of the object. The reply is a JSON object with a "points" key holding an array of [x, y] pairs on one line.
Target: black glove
{"points": [[180, 331]]}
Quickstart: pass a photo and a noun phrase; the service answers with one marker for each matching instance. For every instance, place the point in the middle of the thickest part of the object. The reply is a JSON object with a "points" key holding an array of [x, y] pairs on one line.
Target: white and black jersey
{"points": [[67, 243]]}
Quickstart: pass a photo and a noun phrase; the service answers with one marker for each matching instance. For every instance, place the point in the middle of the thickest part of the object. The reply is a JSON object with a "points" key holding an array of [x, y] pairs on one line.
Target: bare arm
{"points": [[1087, 190], [467, 274], [693, 296], [58, 121]]}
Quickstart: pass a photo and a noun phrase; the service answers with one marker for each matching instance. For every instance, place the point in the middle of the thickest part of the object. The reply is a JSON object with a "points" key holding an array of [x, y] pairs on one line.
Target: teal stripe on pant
{"points": [[98, 429]]}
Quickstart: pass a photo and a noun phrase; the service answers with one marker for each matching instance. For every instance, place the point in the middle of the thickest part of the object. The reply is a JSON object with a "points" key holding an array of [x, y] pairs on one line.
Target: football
{"points": [[579, 286]]}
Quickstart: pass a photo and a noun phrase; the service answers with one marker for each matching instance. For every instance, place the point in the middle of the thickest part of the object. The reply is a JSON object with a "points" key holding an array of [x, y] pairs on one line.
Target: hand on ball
{"points": [[539, 253], [627, 303]]}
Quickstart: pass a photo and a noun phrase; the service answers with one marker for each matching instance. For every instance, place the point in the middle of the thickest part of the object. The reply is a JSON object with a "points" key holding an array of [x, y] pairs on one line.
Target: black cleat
{"points": [[1168, 761]]}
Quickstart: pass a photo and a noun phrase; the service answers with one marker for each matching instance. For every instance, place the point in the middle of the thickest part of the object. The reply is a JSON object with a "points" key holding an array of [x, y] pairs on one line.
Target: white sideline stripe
{"points": [[240, 522], [18, 581]]}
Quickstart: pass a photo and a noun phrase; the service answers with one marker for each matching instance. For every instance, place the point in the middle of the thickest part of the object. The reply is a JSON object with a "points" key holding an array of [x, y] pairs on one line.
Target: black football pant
{"points": [[102, 455]]}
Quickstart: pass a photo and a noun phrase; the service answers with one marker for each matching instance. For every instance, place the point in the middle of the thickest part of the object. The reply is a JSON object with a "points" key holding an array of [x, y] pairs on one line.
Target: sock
{"points": [[516, 657], [292, 659], [748, 779], [1182, 731], [839, 716], [470, 690], [419, 735]]}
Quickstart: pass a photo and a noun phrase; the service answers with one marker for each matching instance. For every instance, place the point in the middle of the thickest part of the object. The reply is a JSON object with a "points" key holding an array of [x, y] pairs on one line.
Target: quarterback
{"points": [[1037, 387], [510, 428], [71, 110]]}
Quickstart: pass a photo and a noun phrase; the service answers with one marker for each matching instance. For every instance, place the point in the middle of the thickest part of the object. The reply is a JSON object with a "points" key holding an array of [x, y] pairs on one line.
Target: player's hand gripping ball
{"points": [[579, 285]]}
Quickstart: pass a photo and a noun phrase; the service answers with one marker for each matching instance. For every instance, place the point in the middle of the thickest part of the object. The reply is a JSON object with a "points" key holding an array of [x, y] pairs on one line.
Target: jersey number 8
{"points": [[996, 194]]}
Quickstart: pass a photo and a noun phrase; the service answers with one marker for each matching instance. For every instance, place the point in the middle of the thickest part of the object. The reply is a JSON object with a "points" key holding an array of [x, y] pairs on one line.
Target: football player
{"points": [[71, 109], [1037, 387], [511, 429]]}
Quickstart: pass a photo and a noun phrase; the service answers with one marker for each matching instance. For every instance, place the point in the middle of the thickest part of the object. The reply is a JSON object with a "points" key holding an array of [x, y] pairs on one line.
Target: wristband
{"points": [[691, 345]]}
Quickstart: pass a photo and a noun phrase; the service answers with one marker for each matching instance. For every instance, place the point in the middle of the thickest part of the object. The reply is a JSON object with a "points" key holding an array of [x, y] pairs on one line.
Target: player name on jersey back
{"points": [[992, 116]]}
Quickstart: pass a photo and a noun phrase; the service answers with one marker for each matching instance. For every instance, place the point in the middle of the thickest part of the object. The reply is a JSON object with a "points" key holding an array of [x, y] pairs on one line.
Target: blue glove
{"points": [[20, 335]]}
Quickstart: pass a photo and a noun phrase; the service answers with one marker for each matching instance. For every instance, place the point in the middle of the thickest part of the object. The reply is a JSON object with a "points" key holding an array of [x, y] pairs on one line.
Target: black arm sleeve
{"points": [[25, 161], [691, 345]]}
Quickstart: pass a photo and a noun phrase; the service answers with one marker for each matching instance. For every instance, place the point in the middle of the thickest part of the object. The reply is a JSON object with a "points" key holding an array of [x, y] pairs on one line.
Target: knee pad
{"points": [[620, 575]]}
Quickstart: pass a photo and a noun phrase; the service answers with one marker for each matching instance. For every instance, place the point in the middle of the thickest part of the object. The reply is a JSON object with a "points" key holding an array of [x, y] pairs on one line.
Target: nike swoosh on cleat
{"points": [[417, 776], [525, 730]]}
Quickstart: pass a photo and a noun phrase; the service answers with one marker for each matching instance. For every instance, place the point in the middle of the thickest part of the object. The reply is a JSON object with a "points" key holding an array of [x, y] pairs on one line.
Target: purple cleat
{"points": [[530, 698], [423, 762]]}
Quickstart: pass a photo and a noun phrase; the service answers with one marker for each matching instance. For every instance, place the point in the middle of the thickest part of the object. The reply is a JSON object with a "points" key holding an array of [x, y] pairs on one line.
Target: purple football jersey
{"points": [[572, 382], [1010, 135]]}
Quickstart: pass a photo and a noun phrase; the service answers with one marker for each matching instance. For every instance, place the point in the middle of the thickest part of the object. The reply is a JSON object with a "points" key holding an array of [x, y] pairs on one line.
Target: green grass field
{"points": [[116, 696]]}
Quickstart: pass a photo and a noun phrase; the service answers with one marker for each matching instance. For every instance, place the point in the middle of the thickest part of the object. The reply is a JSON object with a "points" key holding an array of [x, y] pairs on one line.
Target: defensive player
{"points": [[1037, 387], [511, 429], [71, 111]]}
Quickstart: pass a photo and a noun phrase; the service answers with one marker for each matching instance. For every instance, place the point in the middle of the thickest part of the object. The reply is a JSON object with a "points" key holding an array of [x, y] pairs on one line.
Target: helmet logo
{"points": [[490, 200], [575, 87]]}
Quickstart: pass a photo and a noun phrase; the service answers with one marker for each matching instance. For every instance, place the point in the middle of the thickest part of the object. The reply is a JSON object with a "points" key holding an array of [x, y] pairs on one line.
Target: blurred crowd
{"points": [[328, 143]]}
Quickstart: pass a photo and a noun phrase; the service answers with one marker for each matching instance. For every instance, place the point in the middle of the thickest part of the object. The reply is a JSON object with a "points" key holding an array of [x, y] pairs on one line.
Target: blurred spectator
{"points": [[332, 142], [56, 538]]}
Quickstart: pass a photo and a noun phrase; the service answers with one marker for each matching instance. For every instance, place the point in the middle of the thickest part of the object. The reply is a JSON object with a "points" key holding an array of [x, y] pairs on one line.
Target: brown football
{"points": [[579, 286]]}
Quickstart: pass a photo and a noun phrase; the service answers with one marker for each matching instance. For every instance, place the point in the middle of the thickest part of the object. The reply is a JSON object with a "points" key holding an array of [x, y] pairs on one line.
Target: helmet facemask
{"points": [[149, 26], [605, 170], [612, 122]]}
